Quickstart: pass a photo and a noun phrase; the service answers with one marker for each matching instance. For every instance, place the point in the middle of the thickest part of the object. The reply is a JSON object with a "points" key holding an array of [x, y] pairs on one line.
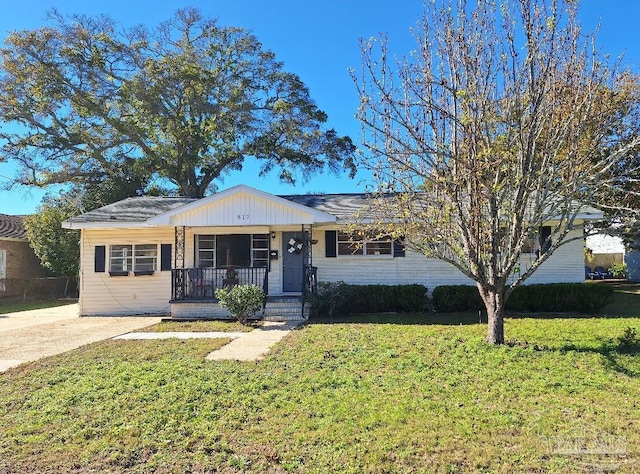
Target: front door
{"points": [[292, 261]]}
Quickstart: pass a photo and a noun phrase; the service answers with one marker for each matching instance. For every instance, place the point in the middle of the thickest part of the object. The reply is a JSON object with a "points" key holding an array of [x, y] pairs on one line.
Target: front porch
{"points": [[197, 284], [276, 308], [242, 237], [193, 293]]}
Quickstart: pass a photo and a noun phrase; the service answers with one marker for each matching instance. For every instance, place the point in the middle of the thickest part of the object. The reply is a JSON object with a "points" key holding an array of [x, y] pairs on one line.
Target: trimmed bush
{"points": [[550, 298], [330, 299], [456, 298], [339, 298], [242, 301], [560, 298]]}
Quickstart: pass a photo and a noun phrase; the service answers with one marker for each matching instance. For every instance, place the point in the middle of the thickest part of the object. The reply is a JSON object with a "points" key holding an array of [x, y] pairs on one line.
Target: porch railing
{"points": [[201, 283]]}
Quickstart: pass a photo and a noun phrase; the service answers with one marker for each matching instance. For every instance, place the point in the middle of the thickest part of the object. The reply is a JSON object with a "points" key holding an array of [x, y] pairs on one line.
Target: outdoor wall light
{"points": [[273, 235]]}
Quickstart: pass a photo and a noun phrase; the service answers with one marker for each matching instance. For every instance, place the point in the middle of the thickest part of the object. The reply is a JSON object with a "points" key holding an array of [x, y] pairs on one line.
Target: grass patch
{"points": [[627, 301], [198, 326], [377, 393], [29, 305]]}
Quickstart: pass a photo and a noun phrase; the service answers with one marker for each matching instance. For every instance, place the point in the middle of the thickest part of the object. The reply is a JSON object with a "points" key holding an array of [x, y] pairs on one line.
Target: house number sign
{"points": [[243, 217]]}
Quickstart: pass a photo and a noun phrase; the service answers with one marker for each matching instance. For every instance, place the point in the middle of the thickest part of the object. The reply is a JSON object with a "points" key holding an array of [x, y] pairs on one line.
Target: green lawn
{"points": [[383, 393]]}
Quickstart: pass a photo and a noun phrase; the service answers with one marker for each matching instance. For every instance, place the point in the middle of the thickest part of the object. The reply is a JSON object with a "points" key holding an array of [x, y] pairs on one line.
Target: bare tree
{"points": [[495, 125]]}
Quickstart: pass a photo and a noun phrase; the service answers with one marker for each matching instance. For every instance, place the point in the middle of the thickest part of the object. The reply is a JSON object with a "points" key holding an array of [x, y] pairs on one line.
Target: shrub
{"points": [[242, 301], [457, 298], [339, 298], [550, 298], [619, 270], [329, 299], [560, 298], [628, 342]]}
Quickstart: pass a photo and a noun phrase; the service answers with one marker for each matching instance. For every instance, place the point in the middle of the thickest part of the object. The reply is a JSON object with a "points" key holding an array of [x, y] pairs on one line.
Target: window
{"points": [[141, 259], [206, 248], [144, 258], [233, 250], [260, 250], [120, 259], [356, 244], [539, 243]]}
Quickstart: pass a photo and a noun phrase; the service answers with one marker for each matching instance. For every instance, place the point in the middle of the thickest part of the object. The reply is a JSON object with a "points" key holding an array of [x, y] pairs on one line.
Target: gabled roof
{"points": [[12, 227], [241, 189], [160, 211], [157, 211]]}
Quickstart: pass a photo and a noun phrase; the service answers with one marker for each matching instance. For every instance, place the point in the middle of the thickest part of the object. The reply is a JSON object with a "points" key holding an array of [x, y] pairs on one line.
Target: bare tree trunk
{"points": [[494, 301]]}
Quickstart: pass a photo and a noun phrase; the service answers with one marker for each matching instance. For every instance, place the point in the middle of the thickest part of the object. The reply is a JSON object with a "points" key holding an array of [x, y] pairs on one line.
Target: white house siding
{"points": [[102, 294], [385, 270], [565, 265]]}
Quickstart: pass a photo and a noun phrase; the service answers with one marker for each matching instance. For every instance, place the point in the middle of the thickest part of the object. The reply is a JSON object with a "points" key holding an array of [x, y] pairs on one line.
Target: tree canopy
{"points": [[58, 249], [184, 102], [504, 119]]}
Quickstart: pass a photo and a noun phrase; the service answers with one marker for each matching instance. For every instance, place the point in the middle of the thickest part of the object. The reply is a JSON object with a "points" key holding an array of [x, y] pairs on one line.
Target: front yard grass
{"points": [[379, 393]]}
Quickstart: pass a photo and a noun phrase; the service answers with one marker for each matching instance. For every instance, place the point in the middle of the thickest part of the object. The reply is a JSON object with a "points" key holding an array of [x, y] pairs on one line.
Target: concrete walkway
{"points": [[256, 344], [27, 336], [181, 335], [252, 345], [31, 335]]}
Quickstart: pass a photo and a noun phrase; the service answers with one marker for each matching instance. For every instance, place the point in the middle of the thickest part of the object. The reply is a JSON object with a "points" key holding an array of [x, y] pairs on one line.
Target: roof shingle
{"points": [[140, 209], [133, 209], [12, 227]]}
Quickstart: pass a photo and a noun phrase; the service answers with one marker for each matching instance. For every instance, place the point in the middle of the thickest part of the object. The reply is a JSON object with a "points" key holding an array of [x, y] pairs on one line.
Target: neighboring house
{"points": [[17, 260], [168, 254], [604, 251]]}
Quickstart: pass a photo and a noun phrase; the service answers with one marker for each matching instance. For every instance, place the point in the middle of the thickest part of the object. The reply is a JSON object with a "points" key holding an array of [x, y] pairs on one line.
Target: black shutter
{"points": [[99, 258], [398, 248], [165, 257], [545, 240], [330, 243]]}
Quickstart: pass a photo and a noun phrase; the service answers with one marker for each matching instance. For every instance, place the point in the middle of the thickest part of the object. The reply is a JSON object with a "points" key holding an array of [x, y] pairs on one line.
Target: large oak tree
{"points": [[187, 101], [504, 119]]}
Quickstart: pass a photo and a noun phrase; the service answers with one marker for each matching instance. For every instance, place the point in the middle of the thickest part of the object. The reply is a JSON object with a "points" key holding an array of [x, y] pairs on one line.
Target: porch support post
{"points": [[180, 247], [307, 232], [308, 248], [178, 280]]}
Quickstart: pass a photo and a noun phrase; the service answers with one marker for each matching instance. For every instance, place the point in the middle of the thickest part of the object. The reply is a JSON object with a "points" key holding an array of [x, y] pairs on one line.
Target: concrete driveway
{"points": [[31, 335]]}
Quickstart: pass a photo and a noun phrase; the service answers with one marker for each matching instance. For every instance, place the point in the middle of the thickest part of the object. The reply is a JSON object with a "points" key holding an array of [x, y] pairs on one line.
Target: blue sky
{"points": [[318, 40]]}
